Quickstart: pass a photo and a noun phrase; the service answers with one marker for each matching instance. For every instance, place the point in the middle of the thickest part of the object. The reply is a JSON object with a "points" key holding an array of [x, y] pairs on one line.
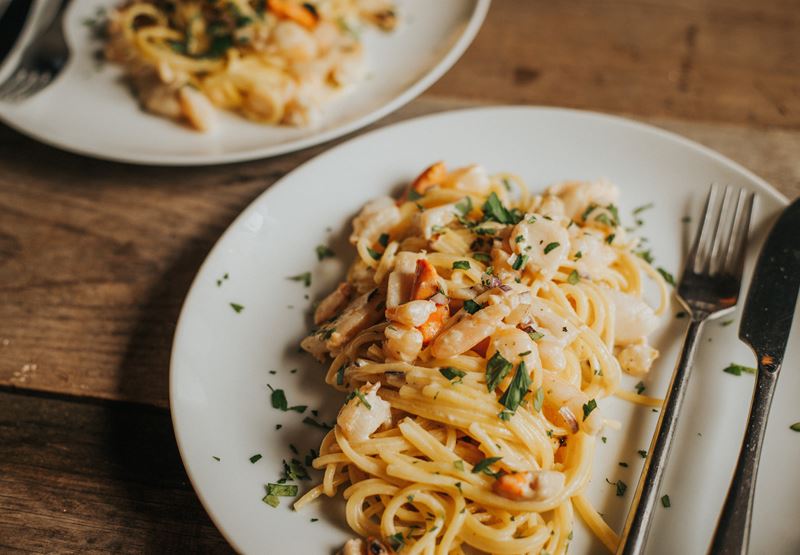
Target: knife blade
{"points": [[766, 323], [770, 305]]}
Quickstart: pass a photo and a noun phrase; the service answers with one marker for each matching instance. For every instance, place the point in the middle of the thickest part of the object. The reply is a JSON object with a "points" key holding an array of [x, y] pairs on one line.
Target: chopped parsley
{"points": [[517, 389], [216, 458], [255, 458], [737, 369], [642, 453], [538, 399], [726, 323], [340, 375], [505, 415], [588, 408], [578, 255], [551, 246], [667, 276], [324, 252], [282, 490], [396, 541], [638, 210], [623, 464], [461, 265], [464, 206], [452, 373], [640, 387], [484, 464], [681, 314], [610, 238], [314, 520], [356, 394], [305, 278], [383, 240], [237, 308], [471, 306], [665, 501], [414, 195], [604, 439], [518, 239], [374, 254], [496, 370], [520, 261], [278, 399], [795, 427], [458, 465], [535, 335], [645, 255], [311, 422], [493, 210], [573, 277], [482, 257], [621, 488]]}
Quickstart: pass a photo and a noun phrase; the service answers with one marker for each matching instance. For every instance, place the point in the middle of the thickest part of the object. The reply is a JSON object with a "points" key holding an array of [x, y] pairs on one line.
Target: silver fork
{"points": [[709, 288], [42, 60]]}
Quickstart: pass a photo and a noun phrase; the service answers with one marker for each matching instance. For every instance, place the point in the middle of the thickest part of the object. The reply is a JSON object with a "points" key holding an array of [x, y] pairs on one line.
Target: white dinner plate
{"points": [[88, 110], [222, 360]]}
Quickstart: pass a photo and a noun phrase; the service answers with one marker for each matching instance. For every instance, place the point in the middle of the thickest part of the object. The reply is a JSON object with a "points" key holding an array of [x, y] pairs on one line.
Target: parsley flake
{"points": [[471, 306], [484, 464], [461, 265], [237, 308], [324, 252], [496, 370], [255, 458], [517, 389], [573, 277], [669, 278], [588, 408], [305, 278], [452, 373], [551, 246], [737, 369], [665, 501]]}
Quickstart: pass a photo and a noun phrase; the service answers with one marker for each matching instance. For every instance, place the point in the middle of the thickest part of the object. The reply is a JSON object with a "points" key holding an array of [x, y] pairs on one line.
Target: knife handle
{"points": [[733, 528]]}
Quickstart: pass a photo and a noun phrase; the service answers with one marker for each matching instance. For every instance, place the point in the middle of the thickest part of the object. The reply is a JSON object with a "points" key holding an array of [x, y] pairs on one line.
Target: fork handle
{"points": [[637, 525], [733, 529]]}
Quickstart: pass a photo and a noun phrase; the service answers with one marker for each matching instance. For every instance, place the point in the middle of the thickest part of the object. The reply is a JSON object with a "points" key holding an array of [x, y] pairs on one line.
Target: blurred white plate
{"points": [[221, 360], [88, 110]]}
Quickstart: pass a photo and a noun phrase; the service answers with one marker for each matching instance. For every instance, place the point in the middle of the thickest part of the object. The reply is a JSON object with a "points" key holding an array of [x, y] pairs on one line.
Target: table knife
{"points": [[765, 326]]}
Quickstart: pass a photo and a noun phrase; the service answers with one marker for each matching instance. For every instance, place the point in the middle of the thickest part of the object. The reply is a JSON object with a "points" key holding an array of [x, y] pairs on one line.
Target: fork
{"points": [[708, 288], [41, 61]]}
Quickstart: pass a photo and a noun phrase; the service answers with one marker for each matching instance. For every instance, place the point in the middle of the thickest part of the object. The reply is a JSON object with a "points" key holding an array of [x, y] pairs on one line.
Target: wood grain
{"points": [[95, 478], [96, 257], [732, 61]]}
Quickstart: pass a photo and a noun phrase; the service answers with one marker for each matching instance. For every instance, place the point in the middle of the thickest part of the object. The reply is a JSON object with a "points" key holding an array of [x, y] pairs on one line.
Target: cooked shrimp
{"points": [[331, 305], [434, 324], [435, 218], [402, 342], [559, 395], [473, 179], [412, 313], [536, 485], [470, 331], [578, 195], [544, 242], [637, 358], [515, 346], [595, 254], [377, 216], [433, 175], [426, 281], [401, 279], [196, 108], [634, 319], [295, 42], [364, 413], [294, 11]]}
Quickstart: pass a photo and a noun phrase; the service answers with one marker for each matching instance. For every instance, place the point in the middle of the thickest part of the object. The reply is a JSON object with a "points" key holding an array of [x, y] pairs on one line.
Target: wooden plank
{"points": [[97, 478], [96, 258], [732, 61]]}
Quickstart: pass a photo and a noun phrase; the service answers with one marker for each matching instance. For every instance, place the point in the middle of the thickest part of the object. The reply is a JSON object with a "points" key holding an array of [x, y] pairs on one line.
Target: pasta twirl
{"points": [[476, 333]]}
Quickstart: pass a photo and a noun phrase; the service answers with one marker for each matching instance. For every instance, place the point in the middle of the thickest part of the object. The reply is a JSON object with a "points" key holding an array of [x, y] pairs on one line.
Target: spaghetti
{"points": [[475, 333]]}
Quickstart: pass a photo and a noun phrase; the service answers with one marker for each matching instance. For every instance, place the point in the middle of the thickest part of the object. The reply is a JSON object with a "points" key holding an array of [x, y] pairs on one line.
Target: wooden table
{"points": [[96, 257]]}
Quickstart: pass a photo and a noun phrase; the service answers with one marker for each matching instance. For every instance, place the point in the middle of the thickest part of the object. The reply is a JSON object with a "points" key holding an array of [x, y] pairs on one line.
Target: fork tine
{"points": [[41, 80], [692, 258], [725, 230], [13, 83], [713, 243], [734, 261]]}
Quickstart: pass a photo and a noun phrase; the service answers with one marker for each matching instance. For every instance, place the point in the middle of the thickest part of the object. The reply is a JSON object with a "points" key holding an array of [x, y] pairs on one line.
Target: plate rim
{"points": [[408, 94], [332, 152]]}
